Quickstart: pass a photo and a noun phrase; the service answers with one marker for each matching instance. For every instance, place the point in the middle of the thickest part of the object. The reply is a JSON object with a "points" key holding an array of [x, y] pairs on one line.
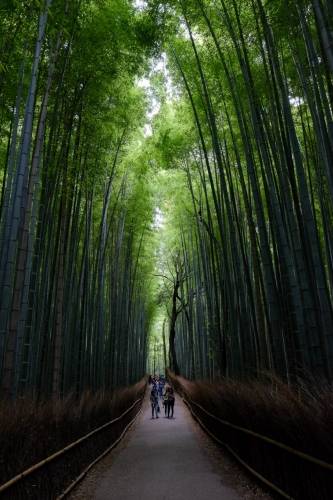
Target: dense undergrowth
{"points": [[299, 416], [31, 431]]}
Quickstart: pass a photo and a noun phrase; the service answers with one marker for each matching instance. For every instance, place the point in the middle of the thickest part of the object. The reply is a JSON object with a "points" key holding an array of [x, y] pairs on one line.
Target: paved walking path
{"points": [[163, 461]]}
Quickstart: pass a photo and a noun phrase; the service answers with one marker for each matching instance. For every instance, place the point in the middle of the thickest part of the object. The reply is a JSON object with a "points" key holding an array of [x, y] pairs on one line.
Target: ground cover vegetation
{"points": [[32, 431], [298, 416]]}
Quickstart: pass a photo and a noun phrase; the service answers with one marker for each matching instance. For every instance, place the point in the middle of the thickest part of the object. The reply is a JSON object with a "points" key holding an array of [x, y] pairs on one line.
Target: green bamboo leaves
{"points": [[259, 87], [74, 303], [248, 132]]}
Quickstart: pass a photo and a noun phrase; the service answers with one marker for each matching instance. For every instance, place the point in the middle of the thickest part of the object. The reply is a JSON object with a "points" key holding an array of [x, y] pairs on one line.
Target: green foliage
{"points": [[234, 184], [88, 251], [173, 134]]}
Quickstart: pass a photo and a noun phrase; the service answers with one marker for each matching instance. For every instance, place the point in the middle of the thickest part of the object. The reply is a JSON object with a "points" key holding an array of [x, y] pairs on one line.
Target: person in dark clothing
{"points": [[160, 388], [165, 403], [170, 402], [154, 403]]}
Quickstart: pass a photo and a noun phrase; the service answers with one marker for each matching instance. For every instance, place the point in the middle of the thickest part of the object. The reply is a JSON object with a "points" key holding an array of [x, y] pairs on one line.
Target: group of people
{"points": [[161, 391]]}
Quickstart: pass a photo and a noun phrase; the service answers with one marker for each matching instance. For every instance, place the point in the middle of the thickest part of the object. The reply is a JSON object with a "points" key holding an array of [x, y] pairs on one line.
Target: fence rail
{"points": [[38, 468], [90, 466], [289, 472], [238, 458], [301, 454]]}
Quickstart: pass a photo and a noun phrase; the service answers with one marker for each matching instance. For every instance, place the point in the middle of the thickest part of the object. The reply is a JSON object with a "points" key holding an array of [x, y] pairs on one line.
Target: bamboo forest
{"points": [[166, 209]]}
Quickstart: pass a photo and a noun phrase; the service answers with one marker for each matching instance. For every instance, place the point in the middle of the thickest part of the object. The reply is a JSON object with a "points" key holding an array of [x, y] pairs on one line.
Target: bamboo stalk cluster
{"points": [[74, 313], [258, 80]]}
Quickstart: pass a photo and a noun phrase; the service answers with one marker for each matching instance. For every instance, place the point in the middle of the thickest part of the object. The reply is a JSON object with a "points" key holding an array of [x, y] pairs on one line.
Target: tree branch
{"points": [[162, 276]]}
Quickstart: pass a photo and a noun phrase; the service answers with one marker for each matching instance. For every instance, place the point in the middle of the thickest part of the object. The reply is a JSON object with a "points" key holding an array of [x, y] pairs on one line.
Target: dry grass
{"points": [[30, 431], [300, 417]]}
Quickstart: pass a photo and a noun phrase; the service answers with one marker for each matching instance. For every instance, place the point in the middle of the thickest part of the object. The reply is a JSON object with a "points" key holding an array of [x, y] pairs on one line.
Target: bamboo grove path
{"points": [[162, 459]]}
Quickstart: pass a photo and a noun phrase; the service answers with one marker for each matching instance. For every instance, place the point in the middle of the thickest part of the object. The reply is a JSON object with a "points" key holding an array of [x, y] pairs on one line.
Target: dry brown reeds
{"points": [[299, 416], [30, 431]]}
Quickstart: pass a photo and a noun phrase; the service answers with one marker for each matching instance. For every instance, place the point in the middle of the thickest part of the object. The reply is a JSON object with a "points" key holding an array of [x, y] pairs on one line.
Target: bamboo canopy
{"points": [[238, 157]]}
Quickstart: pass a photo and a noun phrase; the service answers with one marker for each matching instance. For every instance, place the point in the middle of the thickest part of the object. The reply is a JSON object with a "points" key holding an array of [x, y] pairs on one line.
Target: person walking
{"points": [[160, 388], [165, 400], [154, 402], [171, 402]]}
